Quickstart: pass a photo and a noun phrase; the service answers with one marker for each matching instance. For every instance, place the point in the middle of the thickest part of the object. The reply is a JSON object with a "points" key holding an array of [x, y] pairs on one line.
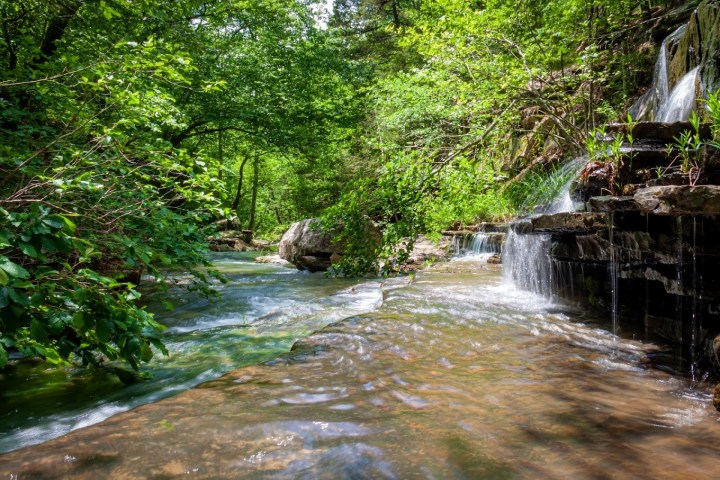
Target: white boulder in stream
{"points": [[305, 246]]}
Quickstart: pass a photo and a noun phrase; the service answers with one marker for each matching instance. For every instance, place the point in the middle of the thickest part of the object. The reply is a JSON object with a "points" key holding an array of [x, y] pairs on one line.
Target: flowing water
{"points": [[477, 243], [263, 310], [655, 103], [456, 374], [681, 102]]}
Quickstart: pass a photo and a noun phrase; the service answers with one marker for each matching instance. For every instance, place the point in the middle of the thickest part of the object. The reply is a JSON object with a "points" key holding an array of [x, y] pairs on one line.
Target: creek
{"points": [[452, 373]]}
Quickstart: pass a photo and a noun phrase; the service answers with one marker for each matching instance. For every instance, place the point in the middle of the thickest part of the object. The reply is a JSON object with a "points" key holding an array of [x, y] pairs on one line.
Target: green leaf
{"points": [[5, 239], [104, 329], [13, 270], [18, 297], [54, 221], [3, 356], [28, 249], [146, 353], [38, 332], [4, 279]]}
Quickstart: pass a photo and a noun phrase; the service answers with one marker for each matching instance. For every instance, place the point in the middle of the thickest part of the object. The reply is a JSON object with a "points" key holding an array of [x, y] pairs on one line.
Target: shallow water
{"points": [[263, 310], [456, 375]]}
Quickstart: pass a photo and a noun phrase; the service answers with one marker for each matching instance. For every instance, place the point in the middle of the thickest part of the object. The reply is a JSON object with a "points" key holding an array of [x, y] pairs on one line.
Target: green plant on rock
{"points": [[688, 146]]}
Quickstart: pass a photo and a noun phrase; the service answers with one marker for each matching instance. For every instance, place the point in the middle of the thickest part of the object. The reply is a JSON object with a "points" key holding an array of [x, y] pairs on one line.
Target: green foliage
{"points": [[688, 148], [92, 196]]}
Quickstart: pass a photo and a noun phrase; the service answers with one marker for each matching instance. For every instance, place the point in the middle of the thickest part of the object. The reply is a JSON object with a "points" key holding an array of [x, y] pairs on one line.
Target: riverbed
{"points": [[452, 373]]}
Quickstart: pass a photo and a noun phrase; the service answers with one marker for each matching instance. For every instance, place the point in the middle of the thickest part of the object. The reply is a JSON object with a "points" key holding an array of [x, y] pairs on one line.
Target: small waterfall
{"points": [[477, 244], [552, 195], [693, 324], [486, 243], [526, 262], [681, 102], [458, 244], [679, 288], [661, 84], [650, 104], [614, 268]]}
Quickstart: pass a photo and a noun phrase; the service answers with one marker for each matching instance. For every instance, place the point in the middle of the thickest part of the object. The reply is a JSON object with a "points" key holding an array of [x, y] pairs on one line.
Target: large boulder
{"points": [[305, 246]]}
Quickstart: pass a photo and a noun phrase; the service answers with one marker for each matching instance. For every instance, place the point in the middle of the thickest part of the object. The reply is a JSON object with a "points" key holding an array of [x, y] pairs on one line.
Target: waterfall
{"points": [[486, 243], [681, 102], [526, 262], [661, 84], [477, 244], [552, 195], [614, 270], [655, 103]]}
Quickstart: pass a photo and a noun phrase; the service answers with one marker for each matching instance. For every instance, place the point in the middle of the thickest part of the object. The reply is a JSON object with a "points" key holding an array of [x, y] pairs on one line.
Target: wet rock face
{"points": [[612, 204], [655, 133], [666, 266], [305, 246]]}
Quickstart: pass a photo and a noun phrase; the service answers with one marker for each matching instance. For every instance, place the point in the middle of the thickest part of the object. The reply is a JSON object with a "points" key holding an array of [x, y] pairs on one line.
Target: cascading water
{"points": [[526, 262], [614, 268], [553, 195], [485, 243], [526, 258], [660, 103], [477, 244], [681, 102], [693, 324], [679, 280]]}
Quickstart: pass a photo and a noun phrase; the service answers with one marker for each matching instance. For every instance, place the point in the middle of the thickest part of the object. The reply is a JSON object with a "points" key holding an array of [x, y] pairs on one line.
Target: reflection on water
{"points": [[455, 376]]}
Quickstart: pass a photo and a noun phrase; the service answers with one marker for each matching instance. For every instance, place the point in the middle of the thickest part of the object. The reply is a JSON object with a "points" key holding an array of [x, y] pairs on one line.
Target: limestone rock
{"points": [[305, 246], [228, 241], [562, 222], [680, 200], [271, 259], [699, 46], [495, 259], [612, 204], [425, 249], [656, 132]]}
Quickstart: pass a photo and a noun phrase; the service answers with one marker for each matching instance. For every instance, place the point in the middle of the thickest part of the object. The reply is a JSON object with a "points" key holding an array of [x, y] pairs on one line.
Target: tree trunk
{"points": [[647, 10], [221, 157], [278, 216], [54, 32], [253, 201], [396, 15], [238, 192]]}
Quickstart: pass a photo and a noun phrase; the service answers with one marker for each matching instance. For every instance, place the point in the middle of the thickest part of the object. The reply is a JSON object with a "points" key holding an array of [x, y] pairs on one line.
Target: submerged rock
{"points": [[495, 259]]}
